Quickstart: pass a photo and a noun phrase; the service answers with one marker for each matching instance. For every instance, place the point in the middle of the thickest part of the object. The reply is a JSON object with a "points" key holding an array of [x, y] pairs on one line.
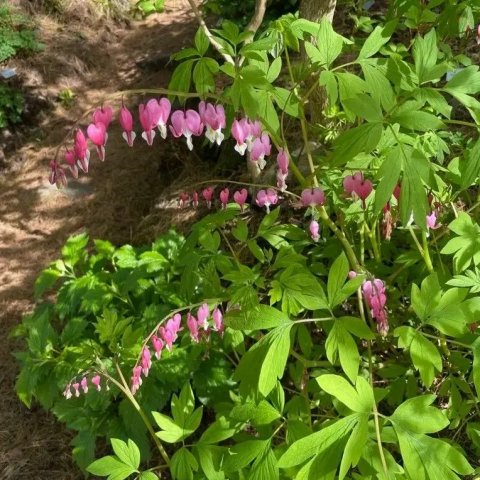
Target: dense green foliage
{"points": [[17, 33], [11, 106], [305, 382]]}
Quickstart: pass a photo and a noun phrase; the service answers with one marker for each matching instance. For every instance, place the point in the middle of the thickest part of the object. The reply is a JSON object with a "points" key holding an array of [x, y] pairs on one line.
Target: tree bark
{"points": [[315, 10]]}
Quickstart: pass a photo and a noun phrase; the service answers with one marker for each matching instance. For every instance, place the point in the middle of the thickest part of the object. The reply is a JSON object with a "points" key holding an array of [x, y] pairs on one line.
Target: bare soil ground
{"points": [[116, 201]]}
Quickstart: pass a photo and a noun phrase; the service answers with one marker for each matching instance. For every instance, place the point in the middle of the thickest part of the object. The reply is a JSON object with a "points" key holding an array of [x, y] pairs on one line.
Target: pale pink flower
{"points": [[240, 197], [136, 380], [432, 221], [240, 132], [187, 124], [255, 129], [96, 382], [98, 135], [478, 35], [126, 122], [217, 316], [224, 194], [314, 229], [67, 392], [159, 112], [265, 198], [84, 384], [261, 148], [311, 197], [352, 274], [76, 387], [202, 316], [214, 119], [281, 181]]}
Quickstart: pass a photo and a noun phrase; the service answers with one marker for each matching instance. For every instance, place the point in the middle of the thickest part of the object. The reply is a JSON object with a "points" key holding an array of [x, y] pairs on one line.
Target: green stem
{"points": [[426, 253], [352, 258], [128, 394], [376, 414], [420, 250], [309, 363]]}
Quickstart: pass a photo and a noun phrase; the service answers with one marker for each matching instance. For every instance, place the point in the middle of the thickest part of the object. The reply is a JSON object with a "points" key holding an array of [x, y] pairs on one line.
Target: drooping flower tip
{"points": [[311, 197], [207, 194], [218, 320], [261, 148], [282, 161], [314, 229], [374, 292], [57, 175]]}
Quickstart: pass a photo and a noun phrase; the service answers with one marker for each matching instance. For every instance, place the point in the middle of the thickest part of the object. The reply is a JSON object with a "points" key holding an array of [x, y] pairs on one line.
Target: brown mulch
{"points": [[128, 198]]}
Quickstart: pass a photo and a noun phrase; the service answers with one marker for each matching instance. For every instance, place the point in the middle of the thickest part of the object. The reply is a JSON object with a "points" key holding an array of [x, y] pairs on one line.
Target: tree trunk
{"points": [[315, 10]]}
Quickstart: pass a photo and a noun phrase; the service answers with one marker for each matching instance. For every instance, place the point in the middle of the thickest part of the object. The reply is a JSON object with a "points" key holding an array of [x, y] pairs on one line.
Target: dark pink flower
{"points": [[103, 115], [311, 197], [146, 361], [82, 153], [157, 346], [207, 194], [282, 161], [265, 198], [224, 194], [195, 199], [192, 326], [183, 200], [136, 380], [126, 121], [147, 123], [76, 387], [240, 197], [356, 185], [97, 134], [57, 175], [71, 161]]}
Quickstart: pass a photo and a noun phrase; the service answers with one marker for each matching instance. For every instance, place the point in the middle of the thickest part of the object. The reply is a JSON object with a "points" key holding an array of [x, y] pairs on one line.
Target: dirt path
{"points": [[36, 219]]}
